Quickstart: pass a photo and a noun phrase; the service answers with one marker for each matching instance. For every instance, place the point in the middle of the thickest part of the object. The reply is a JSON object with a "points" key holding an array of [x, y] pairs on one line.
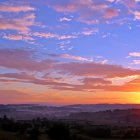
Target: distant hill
{"points": [[118, 117], [29, 111], [102, 107]]}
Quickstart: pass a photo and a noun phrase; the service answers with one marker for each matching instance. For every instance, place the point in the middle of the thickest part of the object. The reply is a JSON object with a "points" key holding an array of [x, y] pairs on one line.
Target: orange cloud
{"points": [[103, 86], [100, 74]]}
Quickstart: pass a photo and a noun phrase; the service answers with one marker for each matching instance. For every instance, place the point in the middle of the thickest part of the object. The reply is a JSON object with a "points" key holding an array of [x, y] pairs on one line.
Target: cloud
{"points": [[44, 35], [136, 62], [18, 76], [104, 61], [128, 3], [123, 80], [73, 57], [68, 56], [62, 37], [21, 24], [135, 81], [89, 21], [65, 45], [88, 32], [95, 12], [104, 85], [22, 60], [79, 5], [55, 36], [110, 13], [12, 8], [96, 81], [134, 54], [90, 11], [111, 1], [91, 76], [18, 37], [96, 69], [106, 35], [65, 19], [24, 77], [136, 14], [128, 87]]}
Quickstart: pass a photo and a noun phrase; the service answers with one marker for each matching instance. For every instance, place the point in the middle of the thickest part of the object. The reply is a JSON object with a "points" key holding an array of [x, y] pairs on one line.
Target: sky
{"points": [[69, 51]]}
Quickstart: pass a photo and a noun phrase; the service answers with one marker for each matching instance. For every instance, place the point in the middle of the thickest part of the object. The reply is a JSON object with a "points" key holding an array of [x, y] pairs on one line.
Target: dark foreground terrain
{"points": [[108, 125]]}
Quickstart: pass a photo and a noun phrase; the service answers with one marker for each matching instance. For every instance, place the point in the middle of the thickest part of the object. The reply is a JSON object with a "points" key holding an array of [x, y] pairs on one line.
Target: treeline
{"points": [[44, 129], [36, 129]]}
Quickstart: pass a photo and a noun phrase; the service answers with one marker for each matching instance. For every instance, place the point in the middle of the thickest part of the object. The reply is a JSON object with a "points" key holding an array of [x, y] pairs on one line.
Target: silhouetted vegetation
{"points": [[34, 134], [44, 129], [59, 131]]}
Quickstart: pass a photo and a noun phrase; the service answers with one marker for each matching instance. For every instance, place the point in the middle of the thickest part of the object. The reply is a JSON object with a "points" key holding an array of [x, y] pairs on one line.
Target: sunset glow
{"points": [[70, 51]]}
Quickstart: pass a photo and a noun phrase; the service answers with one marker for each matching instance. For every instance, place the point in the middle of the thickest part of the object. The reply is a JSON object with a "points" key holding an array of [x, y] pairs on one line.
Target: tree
{"points": [[34, 134], [59, 132]]}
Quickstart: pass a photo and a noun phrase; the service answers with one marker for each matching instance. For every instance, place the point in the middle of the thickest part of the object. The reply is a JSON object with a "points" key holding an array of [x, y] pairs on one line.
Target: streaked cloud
{"points": [[21, 24], [65, 19], [68, 56], [55, 36], [123, 80], [91, 75], [18, 37], [12, 8], [102, 85], [21, 60], [97, 69], [134, 54], [96, 81], [136, 62], [83, 8], [88, 32]]}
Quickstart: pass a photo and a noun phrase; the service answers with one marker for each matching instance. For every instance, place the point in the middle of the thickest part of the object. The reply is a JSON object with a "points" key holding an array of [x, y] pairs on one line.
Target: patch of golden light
{"points": [[135, 98]]}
